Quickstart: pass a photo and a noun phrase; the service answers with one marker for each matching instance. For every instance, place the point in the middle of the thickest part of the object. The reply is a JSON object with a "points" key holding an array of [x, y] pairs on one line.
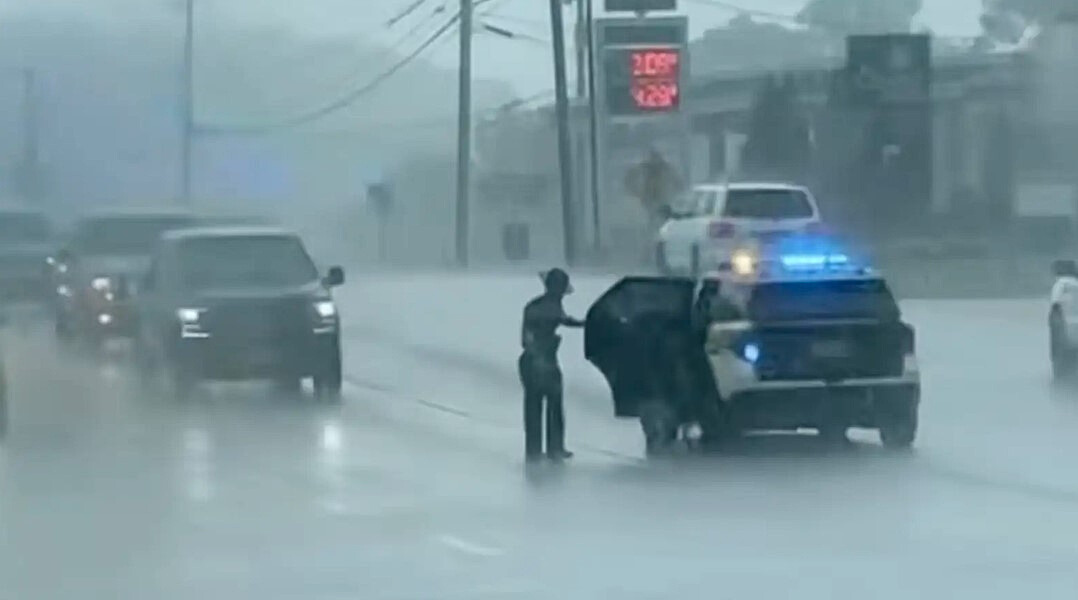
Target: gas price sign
{"points": [[643, 80]]}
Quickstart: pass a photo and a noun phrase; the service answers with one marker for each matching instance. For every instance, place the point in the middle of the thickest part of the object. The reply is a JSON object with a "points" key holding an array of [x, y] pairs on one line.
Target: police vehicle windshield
{"points": [[245, 261], [767, 204], [126, 236], [23, 227], [823, 299]]}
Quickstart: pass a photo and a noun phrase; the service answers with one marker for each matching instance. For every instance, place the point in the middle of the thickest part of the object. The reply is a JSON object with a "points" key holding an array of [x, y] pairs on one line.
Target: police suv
{"points": [[781, 342]]}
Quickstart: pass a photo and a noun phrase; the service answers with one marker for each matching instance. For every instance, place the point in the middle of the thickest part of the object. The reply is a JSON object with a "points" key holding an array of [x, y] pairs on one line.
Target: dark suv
{"points": [[239, 303]]}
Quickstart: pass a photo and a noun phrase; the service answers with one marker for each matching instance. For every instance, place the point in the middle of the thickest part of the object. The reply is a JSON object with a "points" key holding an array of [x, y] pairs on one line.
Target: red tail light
{"points": [[721, 229]]}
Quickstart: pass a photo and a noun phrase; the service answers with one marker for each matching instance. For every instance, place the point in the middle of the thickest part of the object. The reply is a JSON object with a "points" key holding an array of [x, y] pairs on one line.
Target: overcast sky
{"points": [[525, 64]]}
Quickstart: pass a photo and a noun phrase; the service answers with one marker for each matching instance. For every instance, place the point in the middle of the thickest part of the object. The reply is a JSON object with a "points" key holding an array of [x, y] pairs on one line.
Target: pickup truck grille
{"points": [[830, 352], [259, 321]]}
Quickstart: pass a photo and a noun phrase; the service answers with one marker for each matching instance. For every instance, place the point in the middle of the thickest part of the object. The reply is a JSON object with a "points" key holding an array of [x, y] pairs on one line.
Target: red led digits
{"points": [[655, 63], [655, 95], [655, 76]]}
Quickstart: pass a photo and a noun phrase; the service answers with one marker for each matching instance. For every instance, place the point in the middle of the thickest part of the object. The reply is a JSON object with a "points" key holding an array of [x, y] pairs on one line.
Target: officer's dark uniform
{"points": [[540, 373]]}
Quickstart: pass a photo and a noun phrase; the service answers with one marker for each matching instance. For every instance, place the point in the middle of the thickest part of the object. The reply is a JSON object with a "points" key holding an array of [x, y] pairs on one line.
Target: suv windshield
{"points": [[125, 235], [836, 299], [767, 204], [242, 261], [23, 227]]}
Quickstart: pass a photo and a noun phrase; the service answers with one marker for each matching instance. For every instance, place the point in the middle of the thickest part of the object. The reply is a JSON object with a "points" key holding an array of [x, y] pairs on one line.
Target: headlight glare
{"points": [[101, 284], [325, 309], [189, 316]]}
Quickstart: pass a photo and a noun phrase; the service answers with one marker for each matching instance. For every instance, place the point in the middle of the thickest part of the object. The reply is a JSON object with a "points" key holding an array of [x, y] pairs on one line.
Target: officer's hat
{"points": [[556, 280]]}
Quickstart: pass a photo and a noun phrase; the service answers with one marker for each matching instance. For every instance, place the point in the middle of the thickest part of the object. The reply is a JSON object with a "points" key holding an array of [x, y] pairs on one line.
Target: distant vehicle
{"points": [[26, 241], [714, 219], [1063, 320], [804, 341], [239, 303], [96, 271]]}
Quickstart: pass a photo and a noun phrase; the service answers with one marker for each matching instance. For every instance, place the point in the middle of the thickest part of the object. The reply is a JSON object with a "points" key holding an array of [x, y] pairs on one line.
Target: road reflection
{"points": [[196, 465]]}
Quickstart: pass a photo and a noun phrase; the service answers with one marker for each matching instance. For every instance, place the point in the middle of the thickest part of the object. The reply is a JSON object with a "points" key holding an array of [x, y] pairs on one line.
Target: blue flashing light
{"points": [[814, 261], [751, 352]]}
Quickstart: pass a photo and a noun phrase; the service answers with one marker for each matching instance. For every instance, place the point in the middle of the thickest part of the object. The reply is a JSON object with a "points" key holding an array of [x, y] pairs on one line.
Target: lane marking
{"points": [[444, 408], [469, 547]]}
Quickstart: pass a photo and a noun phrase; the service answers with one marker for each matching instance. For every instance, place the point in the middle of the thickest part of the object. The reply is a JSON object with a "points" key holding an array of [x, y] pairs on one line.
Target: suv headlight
{"points": [[325, 309], [101, 284], [190, 327], [189, 316]]}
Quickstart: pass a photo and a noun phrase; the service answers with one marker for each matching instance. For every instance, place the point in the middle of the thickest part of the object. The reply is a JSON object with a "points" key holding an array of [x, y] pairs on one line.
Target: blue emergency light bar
{"points": [[813, 261]]}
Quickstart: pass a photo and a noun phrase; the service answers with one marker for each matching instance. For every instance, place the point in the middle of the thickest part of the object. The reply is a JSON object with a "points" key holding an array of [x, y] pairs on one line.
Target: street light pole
{"points": [[187, 124]]}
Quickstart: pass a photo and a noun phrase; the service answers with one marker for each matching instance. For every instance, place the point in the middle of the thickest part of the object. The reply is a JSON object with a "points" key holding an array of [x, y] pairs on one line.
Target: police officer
{"points": [[540, 373]]}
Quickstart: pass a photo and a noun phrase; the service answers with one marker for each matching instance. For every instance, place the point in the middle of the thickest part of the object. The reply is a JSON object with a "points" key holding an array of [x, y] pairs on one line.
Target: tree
{"points": [[778, 142], [860, 16], [1007, 20], [745, 44]]}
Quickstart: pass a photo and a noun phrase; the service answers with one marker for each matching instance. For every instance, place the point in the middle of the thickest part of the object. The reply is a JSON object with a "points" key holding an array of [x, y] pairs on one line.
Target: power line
{"points": [[411, 8], [513, 35], [352, 96], [347, 99]]}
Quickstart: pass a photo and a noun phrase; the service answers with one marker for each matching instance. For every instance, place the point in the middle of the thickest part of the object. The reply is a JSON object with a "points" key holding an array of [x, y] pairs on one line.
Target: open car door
{"points": [[627, 325]]}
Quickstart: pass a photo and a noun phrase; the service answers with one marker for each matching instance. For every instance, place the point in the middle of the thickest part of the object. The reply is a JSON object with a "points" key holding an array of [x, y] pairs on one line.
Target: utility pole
{"points": [[562, 110], [188, 102], [581, 49], [30, 183], [464, 132], [593, 127]]}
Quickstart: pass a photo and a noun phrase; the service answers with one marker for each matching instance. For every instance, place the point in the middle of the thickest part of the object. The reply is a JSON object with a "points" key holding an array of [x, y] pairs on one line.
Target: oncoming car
{"points": [[717, 218], [808, 342], [1063, 320], [239, 303], [97, 271]]}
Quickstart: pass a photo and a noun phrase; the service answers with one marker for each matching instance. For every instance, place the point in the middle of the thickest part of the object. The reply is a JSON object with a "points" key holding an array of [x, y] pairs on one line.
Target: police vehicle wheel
{"points": [[1064, 357], [900, 431]]}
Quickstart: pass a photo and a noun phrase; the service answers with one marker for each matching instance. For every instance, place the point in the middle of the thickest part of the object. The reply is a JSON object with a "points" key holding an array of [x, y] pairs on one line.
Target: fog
{"points": [[298, 386]]}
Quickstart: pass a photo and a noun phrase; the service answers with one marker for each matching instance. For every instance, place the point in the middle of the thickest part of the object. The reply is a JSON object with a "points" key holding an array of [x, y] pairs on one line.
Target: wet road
{"points": [[414, 487]]}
